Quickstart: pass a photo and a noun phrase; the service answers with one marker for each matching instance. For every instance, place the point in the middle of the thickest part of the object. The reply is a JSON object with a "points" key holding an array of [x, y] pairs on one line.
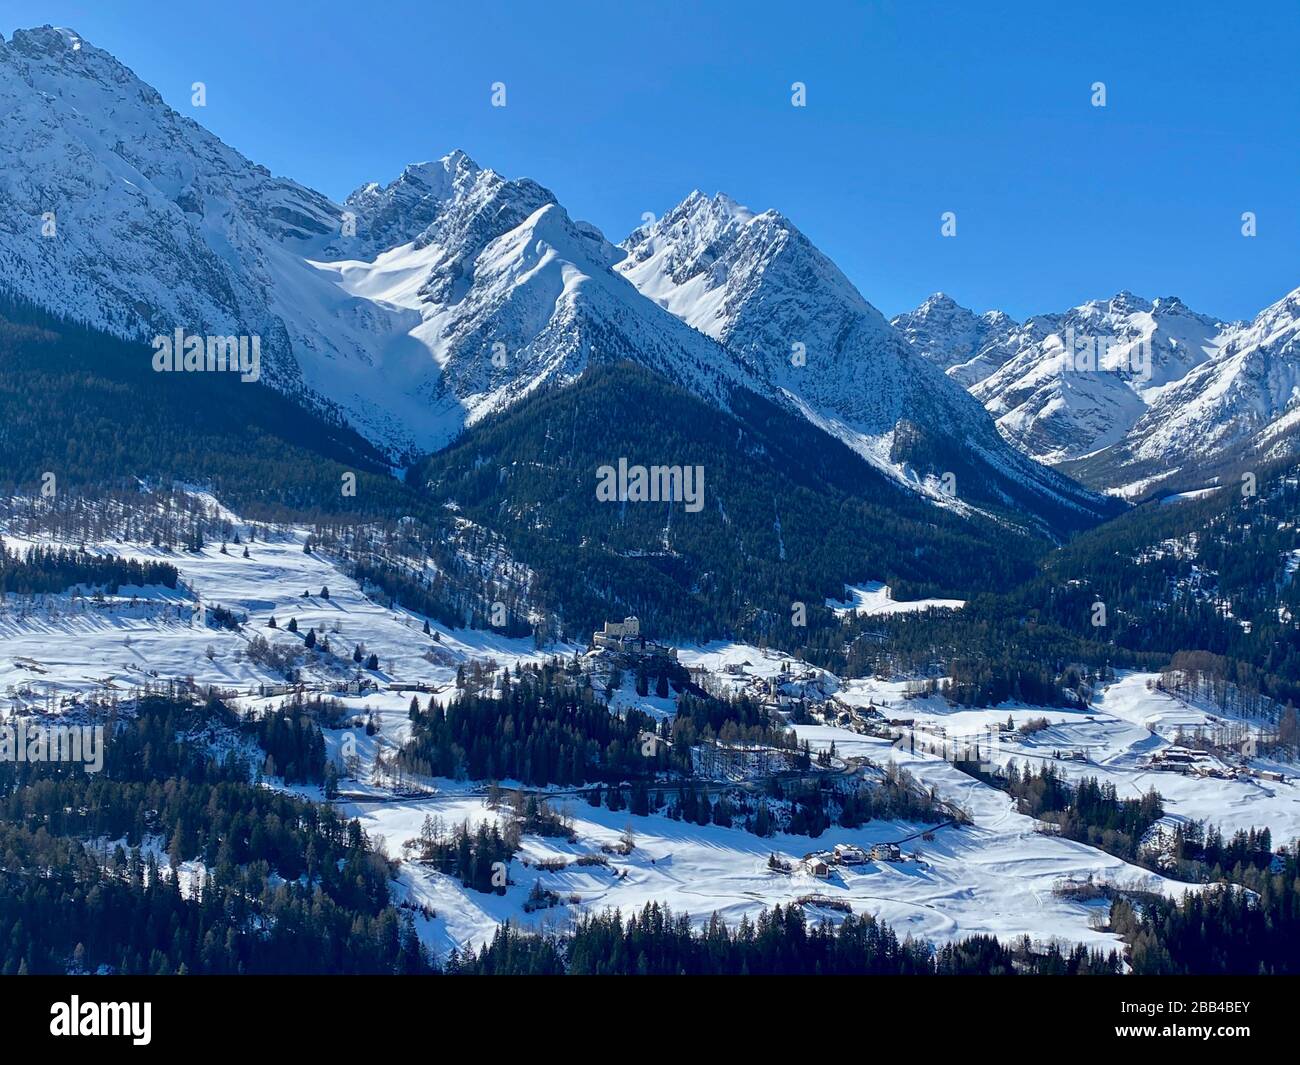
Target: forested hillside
{"points": [[1208, 579], [789, 516], [288, 886]]}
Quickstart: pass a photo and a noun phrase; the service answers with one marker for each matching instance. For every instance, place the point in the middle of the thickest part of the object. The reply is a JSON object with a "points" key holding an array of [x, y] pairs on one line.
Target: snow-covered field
{"points": [[994, 876], [74, 645], [876, 598], [1116, 735]]}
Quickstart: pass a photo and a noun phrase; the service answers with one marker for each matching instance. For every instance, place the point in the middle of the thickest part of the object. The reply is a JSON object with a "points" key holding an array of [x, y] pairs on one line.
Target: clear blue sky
{"points": [[913, 109]]}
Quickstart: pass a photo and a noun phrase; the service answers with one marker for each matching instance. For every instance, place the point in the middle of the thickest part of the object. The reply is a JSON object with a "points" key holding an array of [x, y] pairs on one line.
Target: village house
{"points": [[273, 689], [816, 865], [1176, 758], [886, 852], [848, 854], [353, 686]]}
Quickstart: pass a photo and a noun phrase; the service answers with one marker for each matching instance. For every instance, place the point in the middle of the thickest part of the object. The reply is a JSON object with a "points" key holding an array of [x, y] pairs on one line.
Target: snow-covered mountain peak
{"points": [[120, 211], [550, 232], [685, 242], [385, 216], [389, 308], [507, 293], [48, 40], [423, 304], [1076, 382], [699, 208], [59, 62], [1243, 399], [955, 338], [1123, 302], [939, 302], [1277, 318], [706, 258], [792, 319], [1128, 390], [434, 180]]}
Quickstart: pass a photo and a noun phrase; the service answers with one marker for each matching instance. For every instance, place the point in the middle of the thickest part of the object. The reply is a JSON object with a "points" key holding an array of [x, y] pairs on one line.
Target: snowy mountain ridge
{"points": [[1242, 400], [760, 287], [1089, 377], [1130, 391], [416, 308], [964, 344], [385, 309]]}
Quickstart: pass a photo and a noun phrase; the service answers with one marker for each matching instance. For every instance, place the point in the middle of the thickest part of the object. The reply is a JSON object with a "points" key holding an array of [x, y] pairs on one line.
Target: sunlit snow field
{"points": [[995, 876]]}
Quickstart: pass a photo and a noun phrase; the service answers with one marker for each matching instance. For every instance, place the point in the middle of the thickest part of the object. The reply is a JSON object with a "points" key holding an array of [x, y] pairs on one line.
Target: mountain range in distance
{"points": [[1155, 393], [413, 310]]}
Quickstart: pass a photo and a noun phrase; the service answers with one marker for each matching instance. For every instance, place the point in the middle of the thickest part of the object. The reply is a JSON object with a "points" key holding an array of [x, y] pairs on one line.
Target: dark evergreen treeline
{"points": [[444, 600], [1197, 851], [479, 858], [1252, 929], [781, 942], [295, 748], [545, 725], [89, 408], [289, 885], [542, 728], [774, 490], [256, 449], [50, 570], [63, 910], [1205, 582], [1166, 572], [990, 651], [739, 720], [797, 807]]}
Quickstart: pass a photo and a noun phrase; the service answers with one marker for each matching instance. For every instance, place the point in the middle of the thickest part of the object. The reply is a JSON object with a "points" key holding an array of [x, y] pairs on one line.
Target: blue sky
{"points": [[913, 109]]}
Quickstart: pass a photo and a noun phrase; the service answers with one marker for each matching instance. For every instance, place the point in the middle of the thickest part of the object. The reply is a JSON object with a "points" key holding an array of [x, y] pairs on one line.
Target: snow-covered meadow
{"points": [[996, 875]]}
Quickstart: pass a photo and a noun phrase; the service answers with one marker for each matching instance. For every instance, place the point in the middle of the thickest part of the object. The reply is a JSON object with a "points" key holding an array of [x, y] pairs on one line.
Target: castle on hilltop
{"points": [[624, 637]]}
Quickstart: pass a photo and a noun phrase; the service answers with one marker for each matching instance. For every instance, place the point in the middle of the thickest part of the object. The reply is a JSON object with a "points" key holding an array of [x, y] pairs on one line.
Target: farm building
{"points": [[817, 866]]}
